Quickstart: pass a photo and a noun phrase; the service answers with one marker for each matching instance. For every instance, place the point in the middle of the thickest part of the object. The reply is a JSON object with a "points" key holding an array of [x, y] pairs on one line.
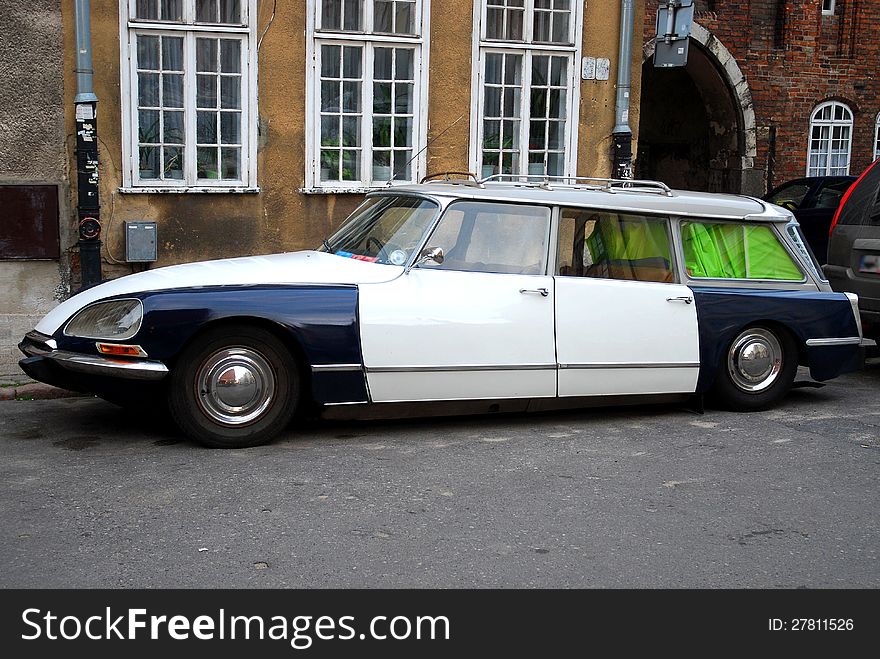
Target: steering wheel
{"points": [[380, 246]]}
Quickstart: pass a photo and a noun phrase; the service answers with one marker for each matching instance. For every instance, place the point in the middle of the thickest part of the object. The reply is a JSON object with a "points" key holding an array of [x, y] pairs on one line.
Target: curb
{"points": [[36, 391]]}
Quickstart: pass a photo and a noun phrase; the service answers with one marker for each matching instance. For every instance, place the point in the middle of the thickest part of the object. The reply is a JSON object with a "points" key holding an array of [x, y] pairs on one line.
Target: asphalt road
{"points": [[645, 497]]}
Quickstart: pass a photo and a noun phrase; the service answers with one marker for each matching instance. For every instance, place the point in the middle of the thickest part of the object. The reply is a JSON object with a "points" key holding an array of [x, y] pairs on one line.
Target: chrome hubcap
{"points": [[754, 360], [235, 386]]}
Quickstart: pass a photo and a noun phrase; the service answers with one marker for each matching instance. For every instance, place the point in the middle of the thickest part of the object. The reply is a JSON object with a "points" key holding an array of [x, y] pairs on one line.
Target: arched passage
{"points": [[697, 124]]}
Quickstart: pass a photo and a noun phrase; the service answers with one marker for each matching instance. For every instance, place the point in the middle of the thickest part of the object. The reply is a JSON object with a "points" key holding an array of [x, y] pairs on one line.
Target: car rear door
{"points": [[622, 325]]}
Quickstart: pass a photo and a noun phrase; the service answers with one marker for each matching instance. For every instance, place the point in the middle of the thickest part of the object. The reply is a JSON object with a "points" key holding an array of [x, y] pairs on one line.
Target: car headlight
{"points": [[116, 320]]}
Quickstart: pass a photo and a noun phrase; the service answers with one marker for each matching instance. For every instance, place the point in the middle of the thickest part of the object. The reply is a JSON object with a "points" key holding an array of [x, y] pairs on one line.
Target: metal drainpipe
{"points": [[622, 134], [85, 102]]}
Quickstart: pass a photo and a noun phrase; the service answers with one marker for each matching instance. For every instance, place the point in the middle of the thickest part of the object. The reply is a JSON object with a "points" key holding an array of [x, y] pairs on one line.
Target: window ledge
{"points": [[189, 190], [361, 189]]}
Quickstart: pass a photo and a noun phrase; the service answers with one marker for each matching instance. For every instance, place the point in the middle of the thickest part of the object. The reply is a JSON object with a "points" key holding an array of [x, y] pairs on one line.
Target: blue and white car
{"points": [[537, 291]]}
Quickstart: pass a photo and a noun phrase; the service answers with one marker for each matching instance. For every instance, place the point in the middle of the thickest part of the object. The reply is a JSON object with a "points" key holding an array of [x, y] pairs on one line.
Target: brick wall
{"points": [[794, 58]]}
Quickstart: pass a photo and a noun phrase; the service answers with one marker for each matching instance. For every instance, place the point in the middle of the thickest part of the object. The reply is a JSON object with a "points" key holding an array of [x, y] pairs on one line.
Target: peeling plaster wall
{"points": [[32, 151]]}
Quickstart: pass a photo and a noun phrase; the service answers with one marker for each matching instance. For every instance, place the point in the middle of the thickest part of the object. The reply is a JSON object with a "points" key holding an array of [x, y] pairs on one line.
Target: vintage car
{"points": [[462, 290]]}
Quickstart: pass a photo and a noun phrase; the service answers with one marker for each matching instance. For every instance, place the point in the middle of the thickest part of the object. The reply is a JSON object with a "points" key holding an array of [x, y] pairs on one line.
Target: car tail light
{"points": [[846, 196]]}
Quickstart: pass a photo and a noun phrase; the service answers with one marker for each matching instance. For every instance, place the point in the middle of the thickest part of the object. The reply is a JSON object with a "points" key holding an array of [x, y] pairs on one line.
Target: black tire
{"points": [[744, 382], [227, 366]]}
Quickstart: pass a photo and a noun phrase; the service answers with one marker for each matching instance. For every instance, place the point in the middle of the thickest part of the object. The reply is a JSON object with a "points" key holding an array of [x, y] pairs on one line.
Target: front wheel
{"points": [[757, 370], [234, 387]]}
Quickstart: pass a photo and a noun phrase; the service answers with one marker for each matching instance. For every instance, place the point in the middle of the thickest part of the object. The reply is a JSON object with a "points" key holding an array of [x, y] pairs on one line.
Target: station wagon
{"points": [[506, 289]]}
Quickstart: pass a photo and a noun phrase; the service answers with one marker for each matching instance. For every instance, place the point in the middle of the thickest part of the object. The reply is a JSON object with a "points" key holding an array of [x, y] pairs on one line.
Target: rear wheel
{"points": [[234, 387], [757, 370]]}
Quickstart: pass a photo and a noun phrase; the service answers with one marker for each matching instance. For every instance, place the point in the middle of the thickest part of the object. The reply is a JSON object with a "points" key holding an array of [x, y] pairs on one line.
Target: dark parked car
{"points": [[813, 200], [854, 248]]}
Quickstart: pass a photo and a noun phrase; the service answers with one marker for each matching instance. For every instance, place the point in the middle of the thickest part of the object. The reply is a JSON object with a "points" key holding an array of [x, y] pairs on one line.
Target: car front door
{"points": [[622, 325], [479, 324]]}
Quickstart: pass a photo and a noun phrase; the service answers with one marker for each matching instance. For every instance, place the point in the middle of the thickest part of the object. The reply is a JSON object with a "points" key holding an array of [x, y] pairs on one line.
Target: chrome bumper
{"points": [[39, 345]]}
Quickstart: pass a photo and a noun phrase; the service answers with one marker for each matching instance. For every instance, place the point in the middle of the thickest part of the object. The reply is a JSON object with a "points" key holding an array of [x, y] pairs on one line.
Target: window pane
{"points": [[230, 56], [148, 53], [489, 237], [330, 61], [382, 59], [230, 167], [404, 17], [230, 12], [331, 14], [172, 90], [206, 55], [612, 246], [351, 165], [230, 127], [383, 16], [147, 9], [206, 11], [172, 130], [207, 163], [206, 91], [735, 251], [206, 127], [173, 163], [148, 162], [330, 130], [172, 10], [230, 92], [351, 62], [172, 54], [148, 126], [148, 90], [351, 17], [382, 132]]}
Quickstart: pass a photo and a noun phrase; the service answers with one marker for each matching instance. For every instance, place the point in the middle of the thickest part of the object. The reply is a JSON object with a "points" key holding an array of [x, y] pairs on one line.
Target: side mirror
{"points": [[434, 254]]}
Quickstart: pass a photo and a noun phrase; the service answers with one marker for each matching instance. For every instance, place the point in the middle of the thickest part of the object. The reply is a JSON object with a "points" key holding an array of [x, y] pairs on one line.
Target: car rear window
{"points": [[728, 250]]}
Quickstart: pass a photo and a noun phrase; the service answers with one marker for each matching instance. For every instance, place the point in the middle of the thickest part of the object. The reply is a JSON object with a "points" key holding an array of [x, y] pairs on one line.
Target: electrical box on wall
{"points": [[140, 242]]}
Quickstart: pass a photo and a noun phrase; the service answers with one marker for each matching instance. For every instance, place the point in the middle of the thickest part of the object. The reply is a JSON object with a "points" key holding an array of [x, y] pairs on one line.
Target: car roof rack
{"points": [[549, 182], [453, 177]]}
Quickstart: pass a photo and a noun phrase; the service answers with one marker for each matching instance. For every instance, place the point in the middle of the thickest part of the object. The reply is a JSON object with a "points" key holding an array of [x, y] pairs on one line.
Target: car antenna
{"points": [[427, 144]]}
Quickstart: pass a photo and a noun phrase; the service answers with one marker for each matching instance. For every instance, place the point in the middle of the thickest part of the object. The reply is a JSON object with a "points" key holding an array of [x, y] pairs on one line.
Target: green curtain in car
{"points": [[735, 251], [628, 240]]}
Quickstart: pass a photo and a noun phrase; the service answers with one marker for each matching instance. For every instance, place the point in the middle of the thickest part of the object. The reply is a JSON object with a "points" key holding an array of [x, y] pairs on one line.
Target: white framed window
{"points": [[827, 7], [367, 82], [525, 93], [189, 117], [877, 137], [830, 140]]}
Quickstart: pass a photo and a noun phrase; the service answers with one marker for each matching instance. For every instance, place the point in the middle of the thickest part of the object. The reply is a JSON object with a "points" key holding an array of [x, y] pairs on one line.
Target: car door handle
{"points": [[543, 292], [687, 299]]}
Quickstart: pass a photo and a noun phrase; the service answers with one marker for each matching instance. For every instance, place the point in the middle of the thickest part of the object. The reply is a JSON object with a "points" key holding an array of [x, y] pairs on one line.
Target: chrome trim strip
{"points": [[351, 402], [462, 367], [610, 365], [120, 368], [336, 368], [847, 341]]}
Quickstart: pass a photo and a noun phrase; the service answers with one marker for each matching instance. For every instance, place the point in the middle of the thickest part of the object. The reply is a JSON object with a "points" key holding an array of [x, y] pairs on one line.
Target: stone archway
{"points": [[697, 123]]}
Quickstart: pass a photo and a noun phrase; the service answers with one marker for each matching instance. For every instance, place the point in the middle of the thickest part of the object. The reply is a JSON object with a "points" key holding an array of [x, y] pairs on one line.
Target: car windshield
{"points": [[383, 229]]}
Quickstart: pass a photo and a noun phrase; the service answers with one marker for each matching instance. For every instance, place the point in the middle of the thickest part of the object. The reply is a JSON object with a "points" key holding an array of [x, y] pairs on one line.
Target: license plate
{"points": [[870, 263]]}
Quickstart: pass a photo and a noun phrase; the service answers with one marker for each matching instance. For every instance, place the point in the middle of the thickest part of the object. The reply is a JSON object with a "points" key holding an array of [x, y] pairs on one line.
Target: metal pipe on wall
{"points": [[622, 133], [85, 102]]}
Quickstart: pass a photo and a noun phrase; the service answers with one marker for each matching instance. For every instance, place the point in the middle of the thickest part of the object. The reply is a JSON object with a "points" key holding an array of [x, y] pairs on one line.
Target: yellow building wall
{"points": [[194, 227]]}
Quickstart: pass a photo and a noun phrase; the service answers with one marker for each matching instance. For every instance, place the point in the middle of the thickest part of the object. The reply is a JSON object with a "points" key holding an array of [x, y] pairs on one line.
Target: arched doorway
{"points": [[697, 124]]}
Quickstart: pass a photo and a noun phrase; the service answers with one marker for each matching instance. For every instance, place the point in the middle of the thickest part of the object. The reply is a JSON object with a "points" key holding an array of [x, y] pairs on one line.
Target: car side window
{"points": [[613, 246], [790, 195], [730, 250], [831, 192], [492, 237]]}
